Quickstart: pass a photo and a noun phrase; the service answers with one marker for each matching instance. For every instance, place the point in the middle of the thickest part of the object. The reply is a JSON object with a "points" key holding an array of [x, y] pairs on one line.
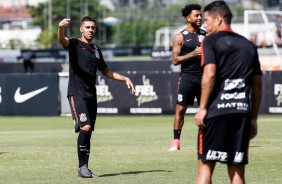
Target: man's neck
{"points": [[85, 40], [224, 27], [192, 29]]}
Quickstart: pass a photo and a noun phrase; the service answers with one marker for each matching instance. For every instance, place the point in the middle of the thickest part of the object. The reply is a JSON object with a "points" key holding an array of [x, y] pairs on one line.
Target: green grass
{"points": [[125, 149], [130, 58]]}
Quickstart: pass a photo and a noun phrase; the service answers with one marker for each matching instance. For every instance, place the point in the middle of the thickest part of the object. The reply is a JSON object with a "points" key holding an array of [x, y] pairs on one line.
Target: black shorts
{"points": [[188, 89], [84, 111], [225, 139]]}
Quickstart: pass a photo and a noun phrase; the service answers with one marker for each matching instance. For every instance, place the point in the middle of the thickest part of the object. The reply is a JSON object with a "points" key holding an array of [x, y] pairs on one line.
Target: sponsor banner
{"points": [[154, 94], [29, 94], [272, 93], [63, 91]]}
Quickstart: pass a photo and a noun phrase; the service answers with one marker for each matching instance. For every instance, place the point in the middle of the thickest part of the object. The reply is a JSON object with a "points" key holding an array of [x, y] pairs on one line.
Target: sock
{"points": [[88, 151], [176, 133], [83, 140]]}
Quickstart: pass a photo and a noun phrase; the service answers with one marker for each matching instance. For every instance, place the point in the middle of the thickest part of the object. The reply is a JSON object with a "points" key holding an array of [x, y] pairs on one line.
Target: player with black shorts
{"points": [[230, 97], [187, 53], [85, 59]]}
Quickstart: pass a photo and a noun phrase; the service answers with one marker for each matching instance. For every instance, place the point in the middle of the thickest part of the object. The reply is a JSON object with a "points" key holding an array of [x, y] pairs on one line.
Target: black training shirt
{"points": [[191, 67], [236, 60], [85, 59]]}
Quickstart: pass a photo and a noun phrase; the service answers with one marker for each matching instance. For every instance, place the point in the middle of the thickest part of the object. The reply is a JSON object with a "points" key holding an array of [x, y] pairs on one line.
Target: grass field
{"points": [[125, 149]]}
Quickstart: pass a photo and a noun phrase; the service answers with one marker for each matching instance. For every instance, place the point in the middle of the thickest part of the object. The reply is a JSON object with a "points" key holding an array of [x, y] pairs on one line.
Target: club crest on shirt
{"points": [[82, 117], [97, 54], [201, 37]]}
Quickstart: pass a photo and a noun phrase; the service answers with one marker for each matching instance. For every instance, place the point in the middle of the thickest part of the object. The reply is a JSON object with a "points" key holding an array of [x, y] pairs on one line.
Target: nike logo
{"points": [[189, 40], [20, 98]]}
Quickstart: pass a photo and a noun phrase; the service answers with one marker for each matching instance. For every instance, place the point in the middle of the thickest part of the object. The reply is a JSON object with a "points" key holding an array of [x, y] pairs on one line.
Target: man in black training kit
{"points": [[85, 59], [230, 99], [186, 51]]}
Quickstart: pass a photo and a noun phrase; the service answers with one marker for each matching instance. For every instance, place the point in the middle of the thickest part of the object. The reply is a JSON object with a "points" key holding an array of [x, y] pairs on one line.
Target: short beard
{"points": [[194, 24]]}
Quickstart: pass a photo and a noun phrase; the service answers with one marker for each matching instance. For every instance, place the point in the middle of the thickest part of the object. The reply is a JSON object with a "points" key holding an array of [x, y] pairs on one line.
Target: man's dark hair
{"points": [[220, 8], [87, 18], [189, 8]]}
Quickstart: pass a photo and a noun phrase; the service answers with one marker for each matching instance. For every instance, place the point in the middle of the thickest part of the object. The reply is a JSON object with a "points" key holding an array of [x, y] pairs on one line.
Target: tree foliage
{"points": [[73, 9], [138, 33], [137, 25]]}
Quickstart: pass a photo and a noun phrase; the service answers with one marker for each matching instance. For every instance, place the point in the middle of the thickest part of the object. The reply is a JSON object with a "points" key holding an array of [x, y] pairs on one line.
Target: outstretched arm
{"points": [[64, 41], [116, 76]]}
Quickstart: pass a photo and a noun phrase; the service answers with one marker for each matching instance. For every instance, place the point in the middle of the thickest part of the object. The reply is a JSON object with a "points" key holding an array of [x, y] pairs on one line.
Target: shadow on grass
{"points": [[132, 172], [3, 153], [255, 146]]}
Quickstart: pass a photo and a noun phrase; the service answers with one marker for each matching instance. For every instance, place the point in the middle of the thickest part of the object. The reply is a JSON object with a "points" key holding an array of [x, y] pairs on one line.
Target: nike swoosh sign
{"points": [[20, 98]]}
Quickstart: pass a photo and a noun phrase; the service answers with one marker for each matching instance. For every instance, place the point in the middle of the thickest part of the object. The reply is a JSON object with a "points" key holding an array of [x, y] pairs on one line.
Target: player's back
{"points": [[236, 62], [235, 54]]}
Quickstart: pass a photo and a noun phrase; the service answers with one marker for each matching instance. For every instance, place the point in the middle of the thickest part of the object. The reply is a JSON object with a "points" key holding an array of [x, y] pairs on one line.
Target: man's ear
{"points": [[218, 20], [80, 29], [187, 18]]}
